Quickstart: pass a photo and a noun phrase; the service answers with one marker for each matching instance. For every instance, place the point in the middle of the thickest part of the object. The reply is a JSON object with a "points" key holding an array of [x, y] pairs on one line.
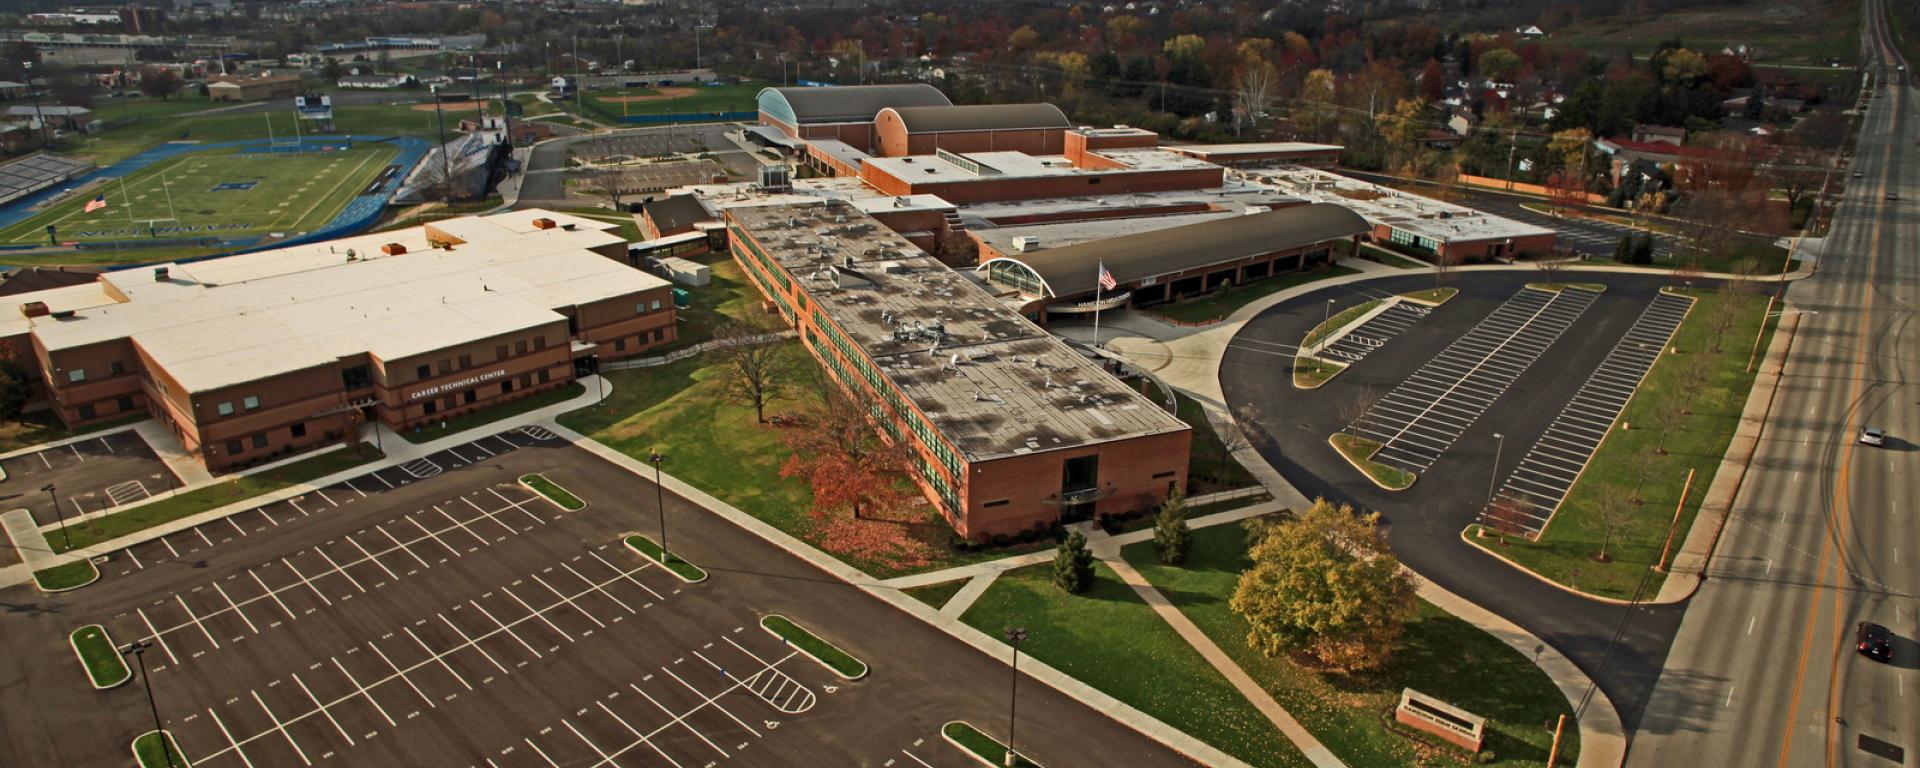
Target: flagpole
{"points": [[1099, 279]]}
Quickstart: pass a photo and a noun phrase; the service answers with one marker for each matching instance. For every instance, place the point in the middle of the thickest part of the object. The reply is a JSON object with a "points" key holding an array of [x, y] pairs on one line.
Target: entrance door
{"points": [[585, 366], [1079, 484]]}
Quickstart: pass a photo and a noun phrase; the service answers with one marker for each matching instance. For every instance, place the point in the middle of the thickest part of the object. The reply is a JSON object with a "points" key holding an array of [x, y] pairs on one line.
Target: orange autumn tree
{"points": [[844, 458]]}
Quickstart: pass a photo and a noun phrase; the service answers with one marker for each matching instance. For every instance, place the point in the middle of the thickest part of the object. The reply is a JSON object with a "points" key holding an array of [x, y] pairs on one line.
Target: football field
{"points": [[218, 193]]}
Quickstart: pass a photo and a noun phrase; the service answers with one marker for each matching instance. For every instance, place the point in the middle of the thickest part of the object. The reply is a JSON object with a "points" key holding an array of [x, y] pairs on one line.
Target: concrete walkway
{"points": [[191, 473], [27, 540]]}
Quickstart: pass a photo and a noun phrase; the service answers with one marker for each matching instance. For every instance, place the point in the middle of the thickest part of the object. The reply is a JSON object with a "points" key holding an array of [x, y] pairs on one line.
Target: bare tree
{"points": [[755, 372], [1727, 311], [1505, 517], [1551, 269], [1252, 92], [611, 182], [1612, 510], [1352, 410], [1444, 261]]}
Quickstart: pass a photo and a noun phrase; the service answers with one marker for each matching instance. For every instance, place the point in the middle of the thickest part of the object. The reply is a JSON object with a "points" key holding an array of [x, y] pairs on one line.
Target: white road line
{"points": [[224, 732], [431, 656], [273, 594], [304, 580], [915, 758], [1751, 620], [368, 557], [363, 691], [402, 675], [236, 608], [278, 726], [196, 621], [151, 632], [468, 642], [322, 707]]}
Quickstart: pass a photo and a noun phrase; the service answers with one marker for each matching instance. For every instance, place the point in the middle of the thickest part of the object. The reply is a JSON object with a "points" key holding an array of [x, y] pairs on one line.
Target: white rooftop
{"points": [[1064, 233], [1020, 165], [1230, 195], [1257, 148], [1404, 211]]}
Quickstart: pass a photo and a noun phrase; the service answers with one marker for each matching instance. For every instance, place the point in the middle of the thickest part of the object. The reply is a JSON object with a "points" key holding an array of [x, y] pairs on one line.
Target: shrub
{"points": [[1073, 564]]}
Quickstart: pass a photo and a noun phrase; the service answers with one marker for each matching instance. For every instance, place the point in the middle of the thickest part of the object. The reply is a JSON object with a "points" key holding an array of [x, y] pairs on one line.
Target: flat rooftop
{"points": [[1231, 195], [1254, 148], [942, 168], [1404, 211], [841, 151], [993, 383], [1059, 234], [721, 197], [238, 319]]}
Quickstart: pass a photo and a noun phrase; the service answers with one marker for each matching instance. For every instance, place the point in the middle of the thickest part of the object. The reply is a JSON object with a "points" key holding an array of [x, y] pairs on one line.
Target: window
{"points": [[619, 345], [299, 430], [544, 377], [505, 387], [470, 396], [540, 342], [357, 377], [423, 372], [520, 347], [996, 503], [1161, 475], [250, 403], [86, 412], [116, 368], [466, 361], [641, 308], [433, 407], [77, 374], [445, 366], [659, 334], [125, 403], [234, 448], [1093, 180], [655, 305], [260, 441], [500, 352], [224, 409]]}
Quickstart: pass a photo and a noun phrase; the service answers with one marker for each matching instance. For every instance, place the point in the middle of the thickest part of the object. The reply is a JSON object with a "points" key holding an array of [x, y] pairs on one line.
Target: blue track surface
{"points": [[356, 216]]}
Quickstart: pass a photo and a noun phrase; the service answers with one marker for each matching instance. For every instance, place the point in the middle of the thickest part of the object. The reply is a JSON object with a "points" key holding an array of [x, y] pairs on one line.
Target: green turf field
{"points": [[217, 193], [723, 98]]}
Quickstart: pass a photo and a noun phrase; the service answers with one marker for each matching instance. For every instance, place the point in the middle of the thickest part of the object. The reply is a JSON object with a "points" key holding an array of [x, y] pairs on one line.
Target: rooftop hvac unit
{"points": [[776, 178], [1026, 243], [34, 309], [160, 274]]}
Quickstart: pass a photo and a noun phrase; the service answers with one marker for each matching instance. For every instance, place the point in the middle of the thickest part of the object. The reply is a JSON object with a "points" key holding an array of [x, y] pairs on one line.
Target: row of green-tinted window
{"points": [[922, 432]]}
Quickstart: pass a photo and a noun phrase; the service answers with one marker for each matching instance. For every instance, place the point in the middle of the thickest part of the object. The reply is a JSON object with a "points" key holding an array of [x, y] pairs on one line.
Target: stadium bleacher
{"points": [[35, 172]]}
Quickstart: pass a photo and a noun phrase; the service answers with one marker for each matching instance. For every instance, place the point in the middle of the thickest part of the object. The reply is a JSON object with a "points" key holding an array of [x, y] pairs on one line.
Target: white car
{"points": [[1873, 436]]}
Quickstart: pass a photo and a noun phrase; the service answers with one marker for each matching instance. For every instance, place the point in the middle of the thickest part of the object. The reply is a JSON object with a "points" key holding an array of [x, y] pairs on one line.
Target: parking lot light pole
{"points": [[1500, 444], [659, 500], [1014, 636], [138, 649], [58, 515]]}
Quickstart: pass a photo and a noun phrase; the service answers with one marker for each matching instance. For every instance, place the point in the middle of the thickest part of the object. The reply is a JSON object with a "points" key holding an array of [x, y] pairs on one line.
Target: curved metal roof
{"points": [[846, 103], [980, 117], [1074, 269]]}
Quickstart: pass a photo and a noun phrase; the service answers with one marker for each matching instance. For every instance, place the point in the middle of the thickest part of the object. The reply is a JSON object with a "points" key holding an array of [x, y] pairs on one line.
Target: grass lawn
{"points": [[70, 576], [290, 193], [1359, 451], [42, 427], [1558, 287], [715, 444], [151, 751], [1698, 443], [214, 496], [552, 490], [704, 99], [111, 109], [1108, 638], [1389, 258], [982, 746], [1791, 32], [651, 551], [1765, 258], [727, 298], [1438, 655], [936, 595], [1311, 372], [467, 421], [532, 106], [1338, 321], [1218, 305], [1210, 466], [120, 142], [99, 655], [827, 653], [1432, 296]]}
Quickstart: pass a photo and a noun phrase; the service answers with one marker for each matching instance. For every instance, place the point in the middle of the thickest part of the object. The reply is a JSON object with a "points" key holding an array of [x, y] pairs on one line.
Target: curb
{"points": [[974, 755], [649, 558], [84, 584], [865, 668], [1363, 470], [170, 740], [522, 482], [1467, 537], [75, 645]]}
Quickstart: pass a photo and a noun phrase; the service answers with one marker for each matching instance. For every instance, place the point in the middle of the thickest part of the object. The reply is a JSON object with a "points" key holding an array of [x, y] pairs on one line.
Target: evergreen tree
{"points": [[1073, 564], [1171, 536]]}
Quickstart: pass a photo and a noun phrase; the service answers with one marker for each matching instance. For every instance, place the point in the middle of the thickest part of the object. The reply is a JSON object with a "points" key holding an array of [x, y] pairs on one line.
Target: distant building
{"points": [[376, 82], [1268, 153], [61, 117], [253, 87], [1648, 133]]}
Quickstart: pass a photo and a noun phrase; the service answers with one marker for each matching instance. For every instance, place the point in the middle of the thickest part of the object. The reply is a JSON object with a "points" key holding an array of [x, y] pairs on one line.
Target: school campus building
{"points": [[251, 357]]}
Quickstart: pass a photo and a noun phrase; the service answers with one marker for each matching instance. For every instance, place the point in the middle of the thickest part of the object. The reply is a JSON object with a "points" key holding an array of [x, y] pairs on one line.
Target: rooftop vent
{"points": [[395, 249], [543, 223], [65, 314], [34, 309], [160, 274]]}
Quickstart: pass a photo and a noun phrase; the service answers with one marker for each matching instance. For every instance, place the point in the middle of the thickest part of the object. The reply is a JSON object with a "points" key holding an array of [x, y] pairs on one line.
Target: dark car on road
{"points": [[1873, 641]]}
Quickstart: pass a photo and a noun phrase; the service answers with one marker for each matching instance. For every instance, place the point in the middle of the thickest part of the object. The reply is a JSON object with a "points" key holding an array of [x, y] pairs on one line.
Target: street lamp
{"points": [[138, 649], [1014, 635], [1499, 446], [446, 163], [59, 515], [659, 500], [46, 137]]}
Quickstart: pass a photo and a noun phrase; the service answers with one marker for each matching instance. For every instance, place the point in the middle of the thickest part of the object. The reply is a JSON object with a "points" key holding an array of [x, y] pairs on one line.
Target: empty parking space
{"points": [[1420, 418], [1540, 482], [1375, 332], [1592, 236], [649, 144], [92, 475]]}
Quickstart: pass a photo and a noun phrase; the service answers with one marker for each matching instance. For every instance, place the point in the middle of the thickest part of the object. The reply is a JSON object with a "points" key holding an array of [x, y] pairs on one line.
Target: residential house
{"points": [[253, 87], [1646, 132]]}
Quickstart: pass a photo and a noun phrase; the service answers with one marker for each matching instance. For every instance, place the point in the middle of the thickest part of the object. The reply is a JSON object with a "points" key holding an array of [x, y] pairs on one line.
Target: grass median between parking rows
{"points": [[152, 750], [1558, 287], [100, 657], [827, 653], [1438, 655], [554, 493], [987, 748], [189, 503], [1311, 372], [1338, 321], [1630, 465], [78, 573], [1359, 452], [1221, 303], [484, 416], [1432, 297], [675, 563]]}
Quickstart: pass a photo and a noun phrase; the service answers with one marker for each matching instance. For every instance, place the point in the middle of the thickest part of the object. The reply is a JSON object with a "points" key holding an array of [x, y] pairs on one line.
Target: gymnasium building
{"points": [[248, 358]]}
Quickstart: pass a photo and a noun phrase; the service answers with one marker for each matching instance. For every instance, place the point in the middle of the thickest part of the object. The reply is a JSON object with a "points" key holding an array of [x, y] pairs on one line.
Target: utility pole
{"points": [[138, 649], [1014, 635], [659, 501], [446, 163], [66, 540], [46, 136], [1498, 447]]}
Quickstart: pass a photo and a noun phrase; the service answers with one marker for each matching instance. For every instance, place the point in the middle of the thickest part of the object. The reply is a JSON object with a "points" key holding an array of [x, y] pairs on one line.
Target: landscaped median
{"points": [[1359, 452], [158, 749], [1310, 371], [99, 656], [61, 578], [1557, 287], [1431, 297], [688, 572], [189, 503], [986, 749], [538, 483], [827, 654]]}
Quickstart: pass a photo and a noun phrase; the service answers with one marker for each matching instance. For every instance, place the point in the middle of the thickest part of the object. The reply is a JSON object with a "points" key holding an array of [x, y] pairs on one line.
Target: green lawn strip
{"points": [[43, 427], [727, 298], [152, 751], [1431, 297], [100, 656], [1108, 638], [984, 748], [186, 504], [688, 572], [1439, 655], [1389, 258], [109, 110], [1359, 451], [1311, 372], [1563, 551], [466, 421], [1338, 321], [1219, 304], [62, 578], [828, 654], [937, 595], [1558, 287], [1210, 467], [1800, 33], [552, 490], [123, 141]]}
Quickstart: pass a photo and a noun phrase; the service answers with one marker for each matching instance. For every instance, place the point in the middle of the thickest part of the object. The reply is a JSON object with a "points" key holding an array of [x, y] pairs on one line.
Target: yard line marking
{"points": [[363, 691], [468, 642], [337, 569], [322, 707], [368, 557], [236, 608], [196, 620], [273, 594], [304, 580], [510, 633], [431, 656], [402, 675], [567, 600], [156, 636], [402, 547], [224, 732], [278, 726]]}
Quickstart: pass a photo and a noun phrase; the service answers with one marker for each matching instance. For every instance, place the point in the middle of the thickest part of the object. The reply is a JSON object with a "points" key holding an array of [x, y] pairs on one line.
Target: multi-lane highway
{"points": [[1825, 532]]}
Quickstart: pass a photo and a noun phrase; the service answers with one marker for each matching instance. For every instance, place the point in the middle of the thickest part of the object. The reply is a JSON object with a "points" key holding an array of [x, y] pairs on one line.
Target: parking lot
{"points": [[458, 618], [1536, 487], [1373, 334], [651, 144], [87, 476], [1421, 418]]}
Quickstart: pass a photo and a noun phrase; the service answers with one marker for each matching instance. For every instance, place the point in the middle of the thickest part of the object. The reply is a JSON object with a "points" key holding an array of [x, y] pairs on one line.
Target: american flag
{"points": [[1106, 278], [98, 202]]}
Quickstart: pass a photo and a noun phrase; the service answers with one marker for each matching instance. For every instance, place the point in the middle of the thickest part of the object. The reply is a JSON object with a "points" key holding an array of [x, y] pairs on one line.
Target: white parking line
{"points": [[541, 614], [304, 580], [489, 515], [270, 593], [402, 547], [462, 526], [363, 691], [397, 673], [568, 600], [196, 620], [234, 745], [321, 707], [601, 589], [510, 633], [235, 607], [337, 569], [519, 505], [468, 642], [156, 636], [433, 657], [638, 735], [278, 726], [543, 755], [366, 556], [325, 497], [431, 534], [604, 757]]}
